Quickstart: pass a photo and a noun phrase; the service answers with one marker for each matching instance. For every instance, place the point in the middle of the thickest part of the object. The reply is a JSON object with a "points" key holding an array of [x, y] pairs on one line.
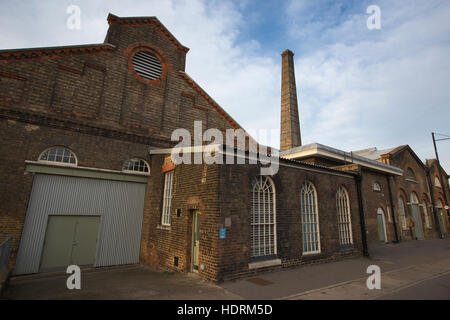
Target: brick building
{"points": [[87, 176]]}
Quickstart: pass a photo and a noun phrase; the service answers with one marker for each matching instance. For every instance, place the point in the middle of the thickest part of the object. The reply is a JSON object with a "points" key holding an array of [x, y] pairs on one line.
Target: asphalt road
{"points": [[434, 289]]}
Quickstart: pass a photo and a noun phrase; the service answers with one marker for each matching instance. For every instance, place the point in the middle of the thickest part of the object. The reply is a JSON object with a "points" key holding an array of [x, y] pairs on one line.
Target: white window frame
{"points": [[344, 217], [437, 182], [62, 163], [376, 186], [310, 219], [263, 206], [136, 171], [167, 199]]}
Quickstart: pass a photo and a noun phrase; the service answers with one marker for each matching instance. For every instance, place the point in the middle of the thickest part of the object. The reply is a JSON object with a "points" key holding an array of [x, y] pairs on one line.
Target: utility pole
{"points": [[443, 182]]}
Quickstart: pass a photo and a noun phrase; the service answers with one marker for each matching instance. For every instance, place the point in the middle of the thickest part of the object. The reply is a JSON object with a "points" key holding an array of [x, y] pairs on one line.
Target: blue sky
{"points": [[357, 87]]}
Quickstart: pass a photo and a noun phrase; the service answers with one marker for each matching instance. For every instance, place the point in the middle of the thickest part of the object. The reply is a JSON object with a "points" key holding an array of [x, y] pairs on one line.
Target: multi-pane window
{"points": [[136, 165], [410, 174], [437, 182], [58, 154], [401, 212], [344, 219], [167, 198], [376, 186], [310, 219], [263, 220]]}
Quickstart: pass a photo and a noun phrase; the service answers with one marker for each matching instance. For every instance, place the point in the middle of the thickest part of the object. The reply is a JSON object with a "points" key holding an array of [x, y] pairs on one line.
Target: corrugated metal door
{"points": [[119, 204]]}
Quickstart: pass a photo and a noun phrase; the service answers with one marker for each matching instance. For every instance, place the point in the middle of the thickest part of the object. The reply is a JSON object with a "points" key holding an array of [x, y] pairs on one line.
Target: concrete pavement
{"points": [[405, 264], [409, 270], [134, 282]]}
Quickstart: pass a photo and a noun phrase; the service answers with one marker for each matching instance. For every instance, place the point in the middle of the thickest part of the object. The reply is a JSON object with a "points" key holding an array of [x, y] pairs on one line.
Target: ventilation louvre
{"points": [[147, 65]]}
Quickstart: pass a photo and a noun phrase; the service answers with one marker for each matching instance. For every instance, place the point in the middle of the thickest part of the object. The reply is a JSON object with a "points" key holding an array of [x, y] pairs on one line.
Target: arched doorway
{"points": [[416, 216], [441, 217], [381, 226]]}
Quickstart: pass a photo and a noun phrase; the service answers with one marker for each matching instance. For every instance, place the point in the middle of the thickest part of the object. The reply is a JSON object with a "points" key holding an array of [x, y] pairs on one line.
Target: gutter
{"points": [[397, 240], [362, 221]]}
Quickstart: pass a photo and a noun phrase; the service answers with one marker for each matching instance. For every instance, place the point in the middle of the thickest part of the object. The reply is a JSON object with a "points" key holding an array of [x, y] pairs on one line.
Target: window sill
{"points": [[163, 227], [263, 264], [311, 253]]}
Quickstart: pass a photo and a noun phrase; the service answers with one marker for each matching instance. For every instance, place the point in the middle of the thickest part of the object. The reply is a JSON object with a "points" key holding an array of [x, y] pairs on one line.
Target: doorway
{"points": [[69, 240], [416, 216], [195, 240], [381, 226]]}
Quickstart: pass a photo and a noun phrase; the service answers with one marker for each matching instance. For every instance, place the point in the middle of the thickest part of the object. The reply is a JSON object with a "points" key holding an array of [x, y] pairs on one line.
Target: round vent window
{"points": [[147, 65]]}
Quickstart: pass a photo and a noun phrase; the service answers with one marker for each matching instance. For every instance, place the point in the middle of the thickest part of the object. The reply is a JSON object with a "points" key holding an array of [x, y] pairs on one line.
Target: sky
{"points": [[357, 87]]}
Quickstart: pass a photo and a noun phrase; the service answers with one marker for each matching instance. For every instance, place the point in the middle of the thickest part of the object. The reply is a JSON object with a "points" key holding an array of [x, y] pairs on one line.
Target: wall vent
{"points": [[147, 65]]}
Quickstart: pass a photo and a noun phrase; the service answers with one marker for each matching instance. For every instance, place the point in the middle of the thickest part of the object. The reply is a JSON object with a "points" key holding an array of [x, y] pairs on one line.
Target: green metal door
{"points": [[381, 226], [69, 240], [85, 241], [417, 218], [58, 242], [195, 240]]}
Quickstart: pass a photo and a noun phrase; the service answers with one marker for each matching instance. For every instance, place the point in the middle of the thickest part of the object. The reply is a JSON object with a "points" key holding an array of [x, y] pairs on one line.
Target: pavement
{"points": [[406, 268], [132, 282], [409, 270]]}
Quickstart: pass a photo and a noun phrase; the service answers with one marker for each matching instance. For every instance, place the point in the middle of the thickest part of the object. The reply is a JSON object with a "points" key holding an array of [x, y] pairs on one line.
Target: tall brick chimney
{"points": [[290, 123]]}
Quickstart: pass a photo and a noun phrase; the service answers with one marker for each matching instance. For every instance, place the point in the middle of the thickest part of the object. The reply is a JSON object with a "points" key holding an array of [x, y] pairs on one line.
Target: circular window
{"points": [[147, 65]]}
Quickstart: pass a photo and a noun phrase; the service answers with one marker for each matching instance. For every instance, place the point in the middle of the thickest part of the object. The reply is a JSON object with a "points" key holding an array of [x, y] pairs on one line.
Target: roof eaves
{"points": [[54, 52]]}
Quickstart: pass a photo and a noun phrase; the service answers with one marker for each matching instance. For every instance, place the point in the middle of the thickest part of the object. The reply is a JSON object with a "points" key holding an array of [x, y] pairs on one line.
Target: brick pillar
{"points": [[290, 123]]}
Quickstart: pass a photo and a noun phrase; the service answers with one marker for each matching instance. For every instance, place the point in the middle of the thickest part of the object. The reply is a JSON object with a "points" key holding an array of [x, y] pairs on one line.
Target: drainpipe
{"points": [[433, 209], [362, 222], [392, 207]]}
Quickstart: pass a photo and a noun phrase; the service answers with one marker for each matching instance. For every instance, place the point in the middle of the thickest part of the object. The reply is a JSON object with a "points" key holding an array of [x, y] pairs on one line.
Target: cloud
{"points": [[383, 90], [357, 87]]}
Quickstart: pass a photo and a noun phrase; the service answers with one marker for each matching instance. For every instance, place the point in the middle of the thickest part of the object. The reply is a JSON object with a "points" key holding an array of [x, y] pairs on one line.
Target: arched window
{"points": [[263, 218], [437, 182], [401, 211], [310, 219], [136, 165], [414, 199], [58, 155], [344, 218], [410, 174], [376, 186]]}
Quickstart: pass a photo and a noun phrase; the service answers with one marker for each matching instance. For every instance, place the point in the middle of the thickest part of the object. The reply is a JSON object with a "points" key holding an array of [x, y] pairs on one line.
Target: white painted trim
{"points": [[263, 264], [64, 165]]}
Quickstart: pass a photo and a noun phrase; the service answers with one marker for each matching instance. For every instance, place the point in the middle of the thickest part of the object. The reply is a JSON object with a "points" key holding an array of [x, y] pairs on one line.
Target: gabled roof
{"points": [[320, 150], [210, 100], [374, 154], [113, 19], [431, 162]]}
